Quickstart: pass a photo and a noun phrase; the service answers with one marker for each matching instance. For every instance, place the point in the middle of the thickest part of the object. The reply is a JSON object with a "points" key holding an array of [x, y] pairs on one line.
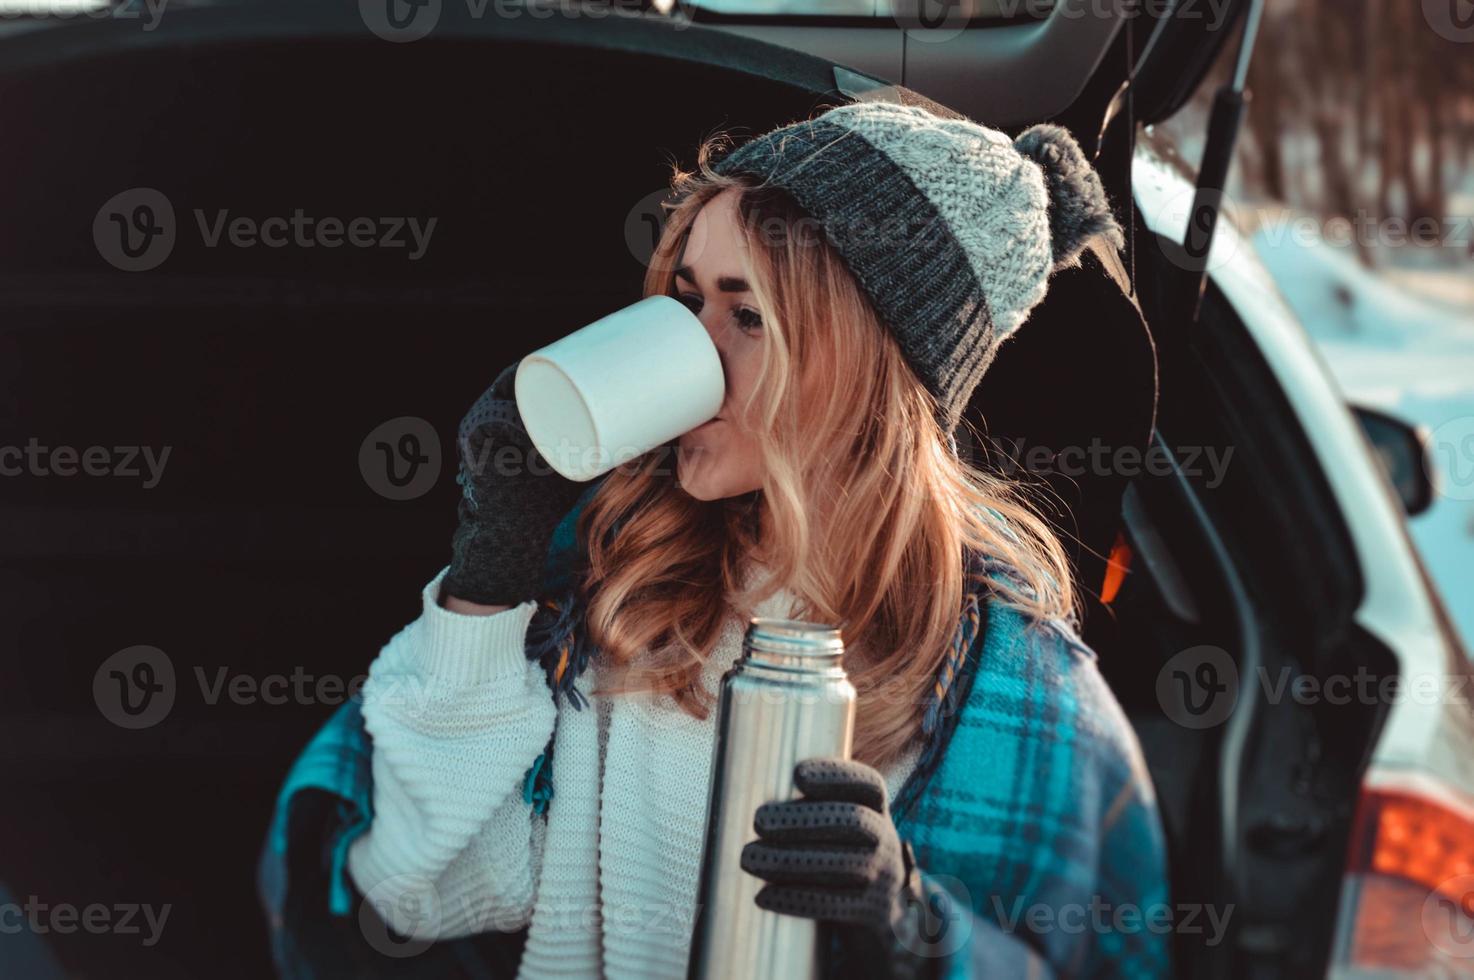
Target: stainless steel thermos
{"points": [[785, 699]]}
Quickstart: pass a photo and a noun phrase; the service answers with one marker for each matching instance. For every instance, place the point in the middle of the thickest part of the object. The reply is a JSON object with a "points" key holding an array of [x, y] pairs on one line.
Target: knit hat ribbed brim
{"points": [[952, 229]]}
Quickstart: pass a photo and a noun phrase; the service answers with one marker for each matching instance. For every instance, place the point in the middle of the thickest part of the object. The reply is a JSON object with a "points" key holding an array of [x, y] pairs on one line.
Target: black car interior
{"points": [[264, 552]]}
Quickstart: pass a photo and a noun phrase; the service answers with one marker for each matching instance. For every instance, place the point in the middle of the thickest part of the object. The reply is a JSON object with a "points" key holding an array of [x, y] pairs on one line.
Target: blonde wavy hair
{"points": [[868, 533]]}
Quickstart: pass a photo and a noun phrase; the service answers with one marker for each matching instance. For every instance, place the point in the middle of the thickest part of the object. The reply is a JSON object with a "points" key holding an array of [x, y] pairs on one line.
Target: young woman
{"points": [[540, 762]]}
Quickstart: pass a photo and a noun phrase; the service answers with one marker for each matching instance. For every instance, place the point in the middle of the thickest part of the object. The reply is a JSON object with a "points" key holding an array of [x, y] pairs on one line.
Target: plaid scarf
{"points": [[1029, 803]]}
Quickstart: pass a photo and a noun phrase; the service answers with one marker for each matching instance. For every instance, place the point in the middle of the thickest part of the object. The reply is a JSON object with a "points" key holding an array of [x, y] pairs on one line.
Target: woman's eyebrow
{"points": [[725, 284]]}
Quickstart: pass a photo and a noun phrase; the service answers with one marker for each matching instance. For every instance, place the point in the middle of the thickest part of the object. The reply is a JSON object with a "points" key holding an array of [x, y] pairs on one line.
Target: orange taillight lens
{"points": [[1412, 860], [1422, 841]]}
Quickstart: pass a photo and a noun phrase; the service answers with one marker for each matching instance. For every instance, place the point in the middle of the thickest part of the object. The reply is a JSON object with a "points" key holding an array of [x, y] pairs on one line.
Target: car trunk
{"points": [[262, 551], [265, 562]]}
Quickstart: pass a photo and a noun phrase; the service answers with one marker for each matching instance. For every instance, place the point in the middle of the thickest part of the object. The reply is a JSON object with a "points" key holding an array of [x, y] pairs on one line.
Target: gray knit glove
{"points": [[511, 503], [835, 856]]}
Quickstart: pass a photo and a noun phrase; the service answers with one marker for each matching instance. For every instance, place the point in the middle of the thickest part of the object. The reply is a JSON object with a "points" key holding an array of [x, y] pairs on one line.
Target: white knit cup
{"points": [[619, 387]]}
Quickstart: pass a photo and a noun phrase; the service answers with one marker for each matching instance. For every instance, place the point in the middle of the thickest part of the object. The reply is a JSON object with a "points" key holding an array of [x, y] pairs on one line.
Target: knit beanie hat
{"points": [[952, 229]]}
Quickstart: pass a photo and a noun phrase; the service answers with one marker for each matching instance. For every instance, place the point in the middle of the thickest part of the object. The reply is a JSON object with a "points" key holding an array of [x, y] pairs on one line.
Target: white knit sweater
{"points": [[608, 883]]}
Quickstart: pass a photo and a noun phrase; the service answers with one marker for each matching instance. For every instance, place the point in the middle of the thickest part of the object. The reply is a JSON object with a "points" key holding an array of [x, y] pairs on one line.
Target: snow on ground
{"points": [[1411, 354]]}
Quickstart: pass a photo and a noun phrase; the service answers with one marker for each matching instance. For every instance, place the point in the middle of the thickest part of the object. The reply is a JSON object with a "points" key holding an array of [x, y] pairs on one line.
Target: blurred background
{"points": [[1354, 182]]}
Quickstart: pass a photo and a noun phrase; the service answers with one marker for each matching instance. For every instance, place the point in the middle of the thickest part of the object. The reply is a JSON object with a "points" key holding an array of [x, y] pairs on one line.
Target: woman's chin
{"points": [[697, 494], [708, 472], [694, 478], [694, 471]]}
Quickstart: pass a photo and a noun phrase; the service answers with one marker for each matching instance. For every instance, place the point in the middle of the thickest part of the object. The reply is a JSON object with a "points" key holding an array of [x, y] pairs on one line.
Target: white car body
{"points": [[1426, 747]]}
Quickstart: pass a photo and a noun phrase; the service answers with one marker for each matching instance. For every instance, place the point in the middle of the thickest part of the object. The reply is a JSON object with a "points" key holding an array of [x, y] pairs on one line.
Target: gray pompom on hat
{"points": [[951, 228]]}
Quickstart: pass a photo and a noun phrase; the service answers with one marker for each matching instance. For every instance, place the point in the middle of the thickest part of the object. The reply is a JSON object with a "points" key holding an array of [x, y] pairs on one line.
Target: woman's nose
{"points": [[713, 324], [719, 339]]}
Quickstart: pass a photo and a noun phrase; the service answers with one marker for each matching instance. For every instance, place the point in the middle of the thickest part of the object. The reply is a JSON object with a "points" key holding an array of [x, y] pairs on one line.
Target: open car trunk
{"points": [[538, 147], [277, 550]]}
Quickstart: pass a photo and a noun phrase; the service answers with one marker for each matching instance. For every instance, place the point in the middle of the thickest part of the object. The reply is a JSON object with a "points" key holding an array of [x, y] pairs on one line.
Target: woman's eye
{"points": [[748, 319], [691, 300]]}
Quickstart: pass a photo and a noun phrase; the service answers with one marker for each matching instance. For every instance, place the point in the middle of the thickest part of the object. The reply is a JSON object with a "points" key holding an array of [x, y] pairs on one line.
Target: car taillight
{"points": [[1410, 879]]}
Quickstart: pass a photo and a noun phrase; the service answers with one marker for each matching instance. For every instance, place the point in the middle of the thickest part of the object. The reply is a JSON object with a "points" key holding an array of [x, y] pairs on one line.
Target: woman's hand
{"points": [[835, 856], [511, 503]]}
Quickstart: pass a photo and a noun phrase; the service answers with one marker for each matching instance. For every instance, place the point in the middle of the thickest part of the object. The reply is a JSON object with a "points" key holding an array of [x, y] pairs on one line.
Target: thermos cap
{"points": [[793, 637]]}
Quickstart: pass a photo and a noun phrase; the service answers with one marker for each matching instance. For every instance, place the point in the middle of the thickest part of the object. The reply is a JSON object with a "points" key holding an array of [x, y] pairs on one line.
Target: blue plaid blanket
{"points": [[1030, 812]]}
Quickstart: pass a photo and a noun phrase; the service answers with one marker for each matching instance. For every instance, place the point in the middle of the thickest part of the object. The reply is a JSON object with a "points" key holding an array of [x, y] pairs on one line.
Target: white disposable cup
{"points": [[619, 387]]}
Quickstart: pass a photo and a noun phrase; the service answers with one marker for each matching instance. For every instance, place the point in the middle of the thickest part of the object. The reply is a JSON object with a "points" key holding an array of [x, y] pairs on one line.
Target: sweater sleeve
{"points": [[458, 714]]}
